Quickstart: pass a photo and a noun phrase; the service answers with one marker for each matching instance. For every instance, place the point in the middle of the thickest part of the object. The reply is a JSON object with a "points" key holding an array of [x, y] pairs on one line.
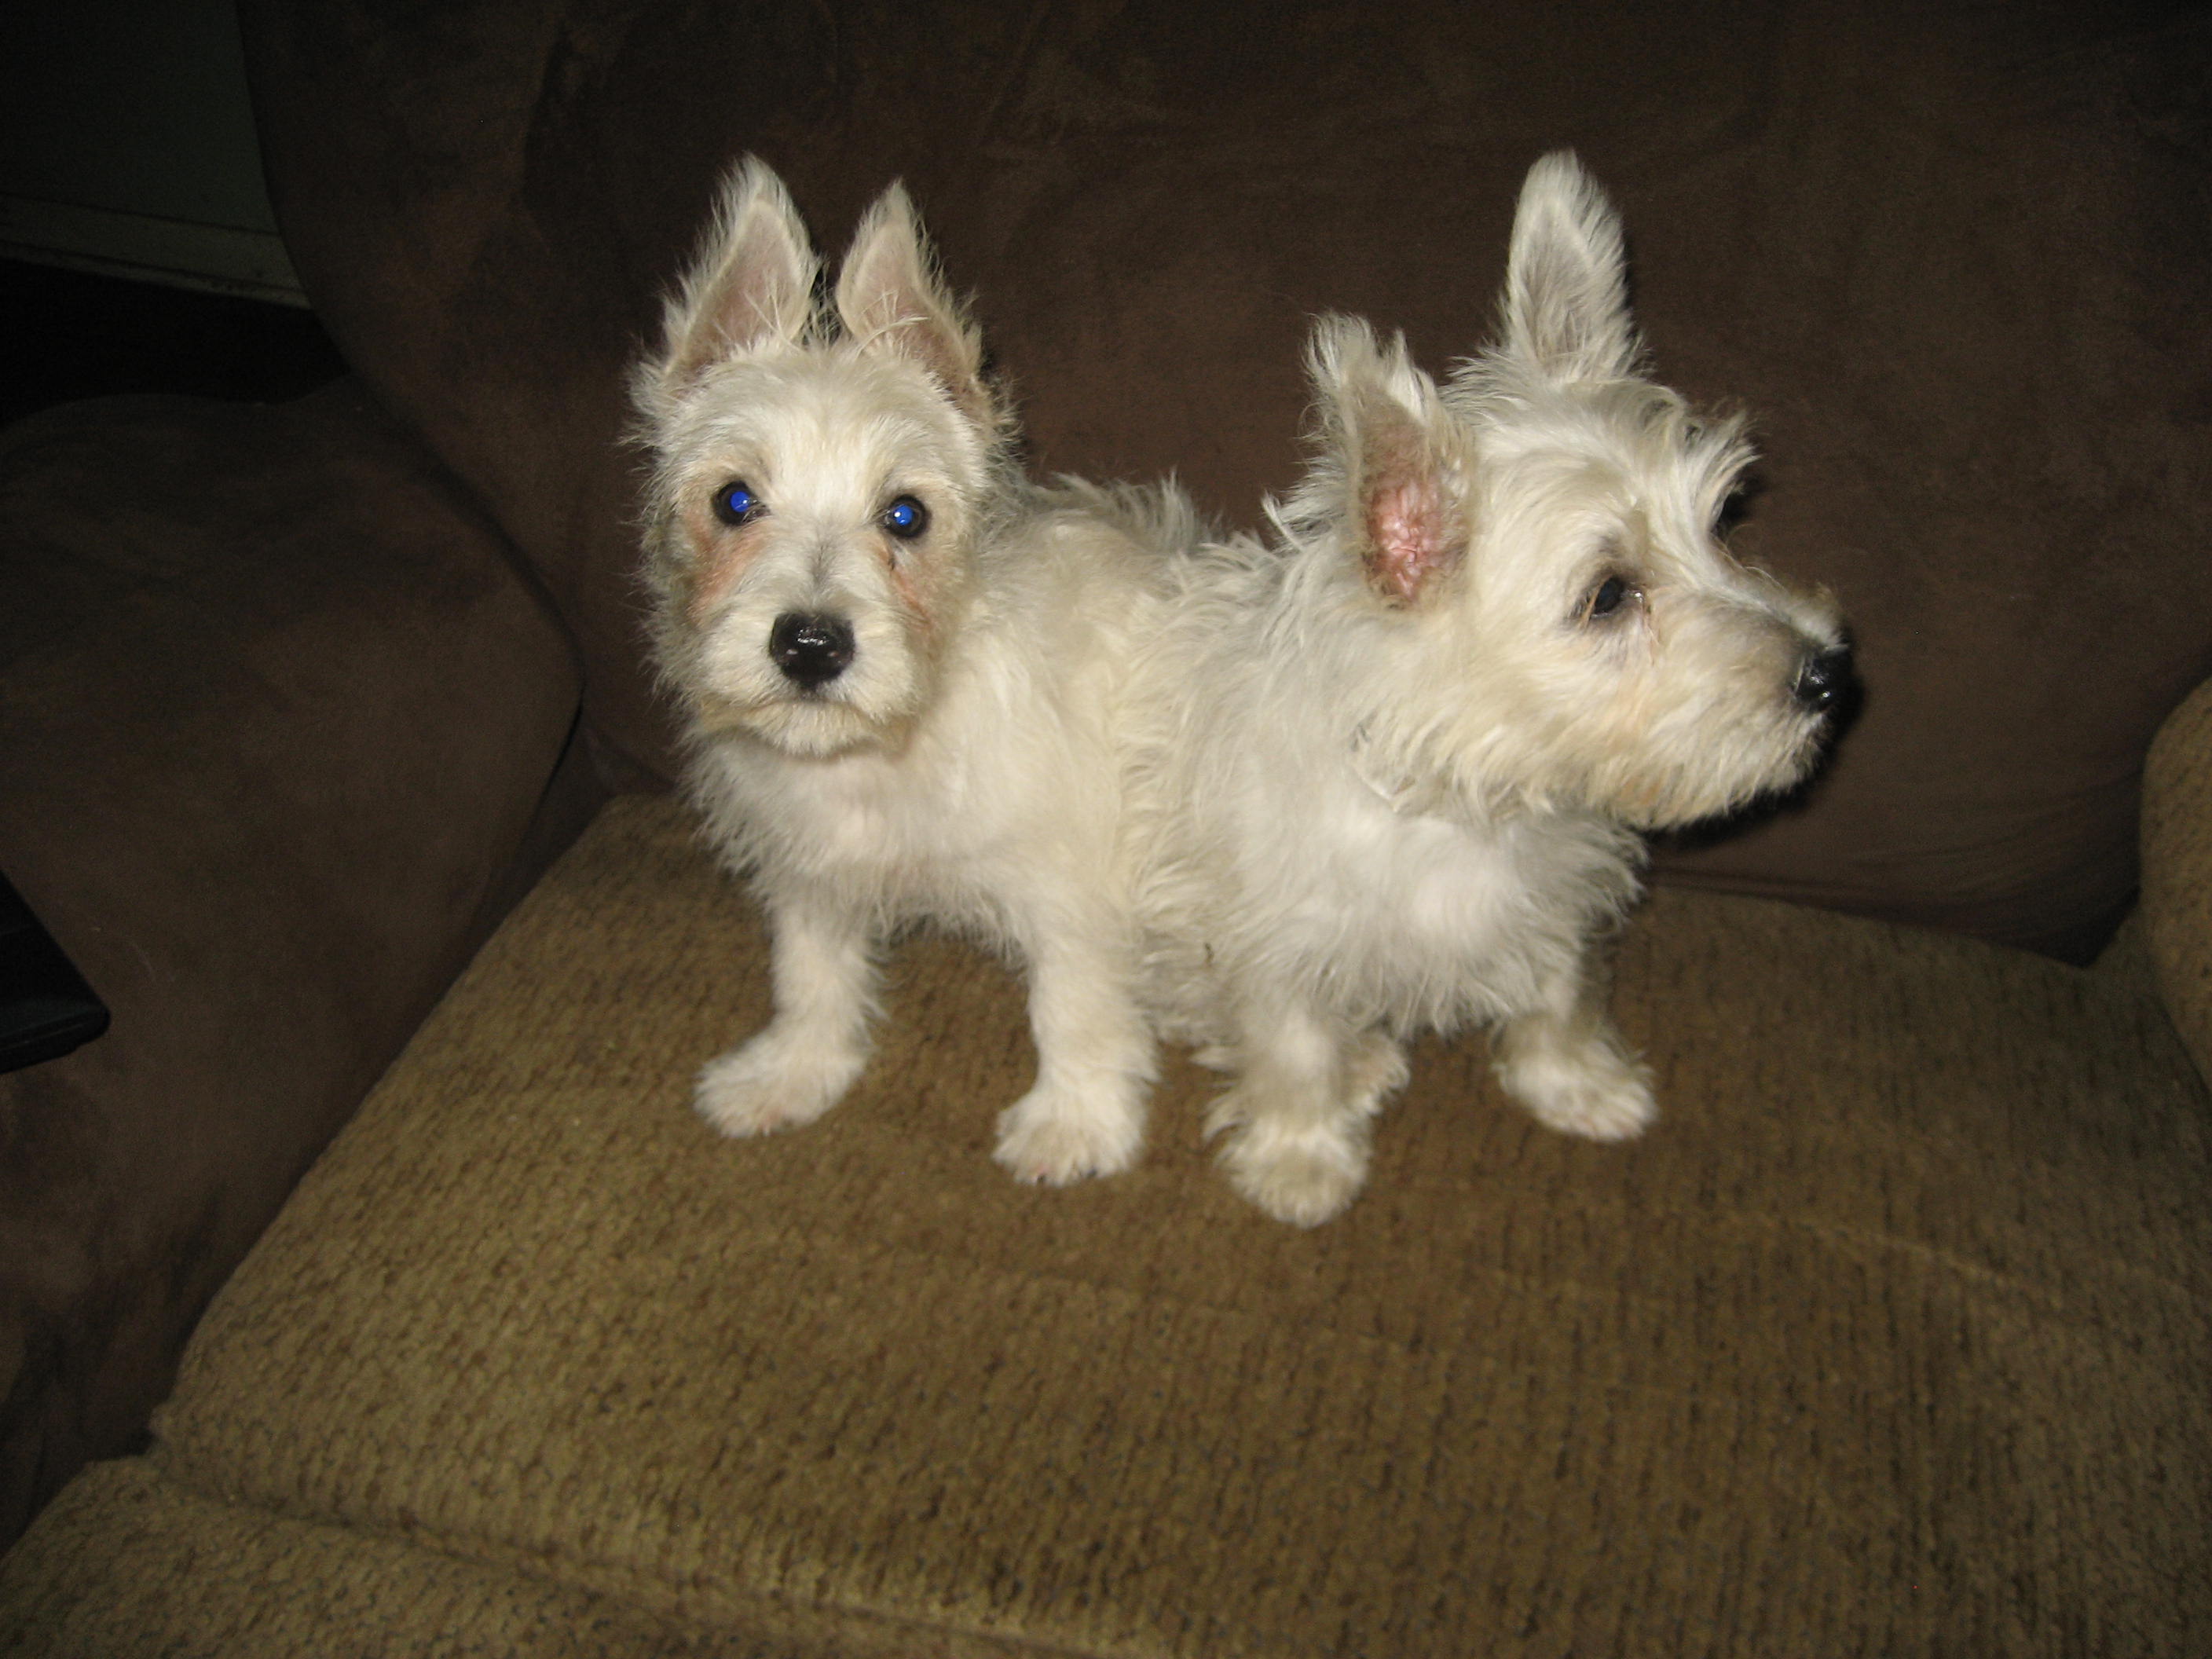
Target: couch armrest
{"points": [[2177, 869], [278, 718]]}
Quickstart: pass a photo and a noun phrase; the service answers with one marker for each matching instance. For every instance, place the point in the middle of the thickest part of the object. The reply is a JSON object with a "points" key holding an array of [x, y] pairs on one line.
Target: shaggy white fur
{"points": [[900, 666], [1387, 772], [1292, 803]]}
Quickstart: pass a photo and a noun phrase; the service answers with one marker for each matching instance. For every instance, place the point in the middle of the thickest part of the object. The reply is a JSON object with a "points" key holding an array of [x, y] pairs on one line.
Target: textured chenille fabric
{"points": [[1889, 1339]]}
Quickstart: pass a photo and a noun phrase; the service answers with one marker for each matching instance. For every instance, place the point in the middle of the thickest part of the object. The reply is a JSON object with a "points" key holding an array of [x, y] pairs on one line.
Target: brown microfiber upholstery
{"points": [[1950, 255], [275, 714], [2177, 903], [1890, 1339]]}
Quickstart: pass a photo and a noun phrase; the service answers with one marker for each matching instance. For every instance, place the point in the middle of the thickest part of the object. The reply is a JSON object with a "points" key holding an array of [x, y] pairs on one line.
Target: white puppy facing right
{"points": [[1390, 774]]}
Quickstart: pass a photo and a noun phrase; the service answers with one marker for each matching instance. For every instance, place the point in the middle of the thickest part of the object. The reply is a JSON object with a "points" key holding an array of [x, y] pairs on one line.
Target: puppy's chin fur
{"points": [[900, 664], [800, 728], [1389, 769]]}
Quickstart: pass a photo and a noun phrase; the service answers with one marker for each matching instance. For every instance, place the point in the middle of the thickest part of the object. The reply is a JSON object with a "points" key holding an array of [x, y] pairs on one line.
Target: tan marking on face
{"points": [[902, 573], [720, 553]]}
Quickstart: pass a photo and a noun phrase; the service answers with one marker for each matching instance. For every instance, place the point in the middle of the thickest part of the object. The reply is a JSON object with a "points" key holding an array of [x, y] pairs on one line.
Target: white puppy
{"points": [[898, 664], [1392, 771]]}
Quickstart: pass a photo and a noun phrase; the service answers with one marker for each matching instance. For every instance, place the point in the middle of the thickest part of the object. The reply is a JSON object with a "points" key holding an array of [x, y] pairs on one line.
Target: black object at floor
{"points": [[45, 1007]]}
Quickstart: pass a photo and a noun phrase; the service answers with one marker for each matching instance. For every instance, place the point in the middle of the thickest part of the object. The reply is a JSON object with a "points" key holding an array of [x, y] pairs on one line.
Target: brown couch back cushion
{"points": [[1948, 256]]}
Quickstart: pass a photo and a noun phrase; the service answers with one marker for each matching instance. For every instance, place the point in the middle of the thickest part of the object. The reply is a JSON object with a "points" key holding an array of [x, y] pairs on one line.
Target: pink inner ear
{"points": [[756, 302], [1408, 536]]}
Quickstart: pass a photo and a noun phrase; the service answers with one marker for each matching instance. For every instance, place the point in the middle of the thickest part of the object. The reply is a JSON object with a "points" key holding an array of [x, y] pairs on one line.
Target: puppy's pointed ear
{"points": [[1566, 281], [751, 289], [1404, 506], [890, 299]]}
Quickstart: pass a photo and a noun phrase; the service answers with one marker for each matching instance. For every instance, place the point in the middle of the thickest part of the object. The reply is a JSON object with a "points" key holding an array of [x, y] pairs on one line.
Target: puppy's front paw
{"points": [[771, 1084], [1303, 1176], [1596, 1093], [1052, 1136]]}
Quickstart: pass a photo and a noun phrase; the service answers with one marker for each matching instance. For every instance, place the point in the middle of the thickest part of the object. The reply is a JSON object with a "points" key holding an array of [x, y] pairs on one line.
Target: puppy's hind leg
{"points": [[1566, 1064], [1085, 1115], [823, 969], [1297, 1116]]}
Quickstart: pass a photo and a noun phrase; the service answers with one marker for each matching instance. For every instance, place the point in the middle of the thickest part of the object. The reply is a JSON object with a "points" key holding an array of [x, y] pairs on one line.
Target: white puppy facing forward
{"points": [[1392, 771], [898, 666]]}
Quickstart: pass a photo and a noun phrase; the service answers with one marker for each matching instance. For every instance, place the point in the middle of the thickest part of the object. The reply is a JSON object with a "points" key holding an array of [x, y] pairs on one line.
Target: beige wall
{"points": [[127, 145]]}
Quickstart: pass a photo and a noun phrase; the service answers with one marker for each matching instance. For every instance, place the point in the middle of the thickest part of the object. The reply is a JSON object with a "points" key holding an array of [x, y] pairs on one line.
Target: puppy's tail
{"points": [[1158, 515]]}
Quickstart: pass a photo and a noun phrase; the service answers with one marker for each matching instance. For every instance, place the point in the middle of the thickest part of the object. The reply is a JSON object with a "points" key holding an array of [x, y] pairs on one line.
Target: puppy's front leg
{"points": [[1566, 1064], [823, 969], [1298, 1116], [1085, 1116]]}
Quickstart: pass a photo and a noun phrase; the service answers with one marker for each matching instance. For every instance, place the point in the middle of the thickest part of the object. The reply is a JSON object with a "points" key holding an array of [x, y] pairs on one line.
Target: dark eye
{"points": [[735, 503], [905, 517], [1608, 598]]}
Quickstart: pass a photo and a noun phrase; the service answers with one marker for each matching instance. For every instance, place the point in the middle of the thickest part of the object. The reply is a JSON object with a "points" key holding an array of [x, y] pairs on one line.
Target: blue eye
{"points": [[905, 517], [735, 503]]}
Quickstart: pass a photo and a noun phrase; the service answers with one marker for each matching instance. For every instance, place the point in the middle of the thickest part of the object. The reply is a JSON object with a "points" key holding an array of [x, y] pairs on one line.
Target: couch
{"points": [[369, 1288]]}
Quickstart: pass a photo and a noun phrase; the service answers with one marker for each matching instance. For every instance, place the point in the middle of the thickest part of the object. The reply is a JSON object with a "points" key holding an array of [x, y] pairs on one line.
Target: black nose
{"points": [[811, 651], [1825, 680]]}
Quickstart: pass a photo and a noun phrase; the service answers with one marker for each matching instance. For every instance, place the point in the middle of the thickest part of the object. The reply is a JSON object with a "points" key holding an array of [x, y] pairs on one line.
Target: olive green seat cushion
{"points": [[1890, 1337]]}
